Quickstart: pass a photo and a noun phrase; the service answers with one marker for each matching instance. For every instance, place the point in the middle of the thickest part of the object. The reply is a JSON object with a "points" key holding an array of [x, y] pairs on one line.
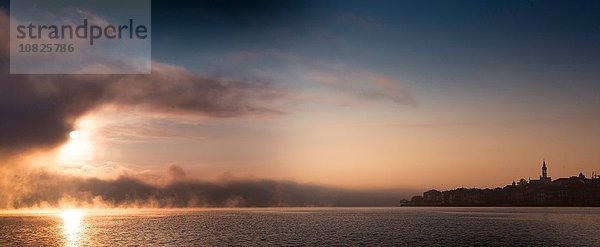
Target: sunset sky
{"points": [[352, 94]]}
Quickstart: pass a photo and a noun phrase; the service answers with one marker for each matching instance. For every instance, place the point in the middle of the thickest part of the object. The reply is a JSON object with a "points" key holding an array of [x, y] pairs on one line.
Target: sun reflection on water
{"points": [[72, 225]]}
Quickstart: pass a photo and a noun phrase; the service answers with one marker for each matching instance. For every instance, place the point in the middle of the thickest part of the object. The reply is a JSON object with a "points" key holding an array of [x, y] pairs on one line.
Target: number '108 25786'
{"points": [[46, 48]]}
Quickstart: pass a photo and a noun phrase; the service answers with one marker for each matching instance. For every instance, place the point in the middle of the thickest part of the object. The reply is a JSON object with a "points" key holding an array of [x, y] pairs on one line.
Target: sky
{"points": [[350, 94]]}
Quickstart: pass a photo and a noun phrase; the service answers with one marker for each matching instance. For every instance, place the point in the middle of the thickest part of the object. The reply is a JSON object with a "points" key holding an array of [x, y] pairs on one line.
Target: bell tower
{"points": [[544, 170]]}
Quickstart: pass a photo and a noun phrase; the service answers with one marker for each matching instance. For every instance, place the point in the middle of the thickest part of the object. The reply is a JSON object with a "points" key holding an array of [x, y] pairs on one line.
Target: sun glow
{"points": [[74, 135], [79, 147], [72, 225]]}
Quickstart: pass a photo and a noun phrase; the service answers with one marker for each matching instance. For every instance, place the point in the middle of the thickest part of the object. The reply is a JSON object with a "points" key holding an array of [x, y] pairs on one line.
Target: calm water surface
{"points": [[302, 226]]}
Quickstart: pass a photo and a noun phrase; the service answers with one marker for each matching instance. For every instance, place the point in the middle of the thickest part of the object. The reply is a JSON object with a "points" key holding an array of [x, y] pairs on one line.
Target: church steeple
{"points": [[544, 170]]}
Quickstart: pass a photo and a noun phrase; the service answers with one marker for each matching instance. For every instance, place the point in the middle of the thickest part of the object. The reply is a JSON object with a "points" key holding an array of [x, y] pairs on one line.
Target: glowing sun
{"points": [[78, 148], [74, 134]]}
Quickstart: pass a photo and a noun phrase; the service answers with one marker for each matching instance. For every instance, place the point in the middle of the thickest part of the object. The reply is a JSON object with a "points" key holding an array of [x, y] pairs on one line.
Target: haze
{"points": [[354, 95]]}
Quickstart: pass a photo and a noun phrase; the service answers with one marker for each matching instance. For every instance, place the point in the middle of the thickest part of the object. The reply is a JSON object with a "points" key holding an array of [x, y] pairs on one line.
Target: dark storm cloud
{"points": [[44, 189], [38, 111]]}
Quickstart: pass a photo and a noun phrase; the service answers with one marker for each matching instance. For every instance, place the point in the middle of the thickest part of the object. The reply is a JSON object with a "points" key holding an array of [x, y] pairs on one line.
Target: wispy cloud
{"points": [[92, 18], [365, 85], [348, 81]]}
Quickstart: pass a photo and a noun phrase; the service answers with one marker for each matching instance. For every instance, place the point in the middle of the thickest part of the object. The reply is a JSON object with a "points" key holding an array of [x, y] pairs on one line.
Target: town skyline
{"points": [[577, 190]]}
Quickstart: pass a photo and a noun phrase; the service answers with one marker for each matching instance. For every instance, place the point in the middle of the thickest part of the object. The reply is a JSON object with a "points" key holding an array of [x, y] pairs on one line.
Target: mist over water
{"points": [[41, 190]]}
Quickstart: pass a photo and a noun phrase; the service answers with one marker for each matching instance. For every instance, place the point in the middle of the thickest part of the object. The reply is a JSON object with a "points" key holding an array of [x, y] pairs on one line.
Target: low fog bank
{"points": [[45, 190]]}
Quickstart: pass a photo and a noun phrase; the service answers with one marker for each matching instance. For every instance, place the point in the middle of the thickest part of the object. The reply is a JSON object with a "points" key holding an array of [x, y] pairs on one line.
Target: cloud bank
{"points": [[38, 111], [46, 190]]}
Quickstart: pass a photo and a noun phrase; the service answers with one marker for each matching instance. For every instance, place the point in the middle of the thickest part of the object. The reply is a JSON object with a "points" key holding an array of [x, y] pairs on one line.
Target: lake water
{"points": [[305, 226]]}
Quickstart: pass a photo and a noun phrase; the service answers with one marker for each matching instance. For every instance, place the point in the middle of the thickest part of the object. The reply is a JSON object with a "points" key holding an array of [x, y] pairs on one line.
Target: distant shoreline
{"points": [[505, 206]]}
